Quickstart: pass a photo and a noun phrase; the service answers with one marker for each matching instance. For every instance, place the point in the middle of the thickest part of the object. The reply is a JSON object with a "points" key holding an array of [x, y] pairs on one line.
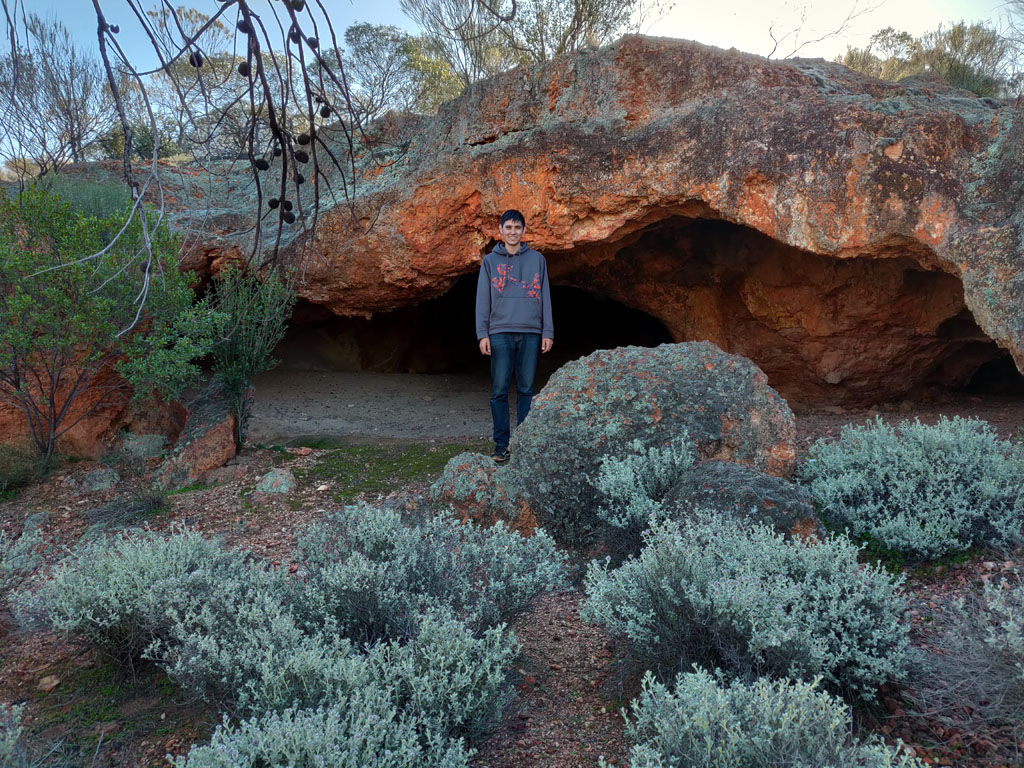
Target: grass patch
{"points": [[317, 442], [369, 470], [186, 489], [19, 465], [90, 698]]}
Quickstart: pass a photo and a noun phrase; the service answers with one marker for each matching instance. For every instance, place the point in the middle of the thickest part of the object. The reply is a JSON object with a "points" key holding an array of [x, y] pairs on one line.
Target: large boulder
{"points": [[745, 494], [611, 402]]}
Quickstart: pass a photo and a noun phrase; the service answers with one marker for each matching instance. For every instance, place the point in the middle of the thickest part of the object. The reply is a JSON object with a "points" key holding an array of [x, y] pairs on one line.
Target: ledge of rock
{"points": [[855, 238]]}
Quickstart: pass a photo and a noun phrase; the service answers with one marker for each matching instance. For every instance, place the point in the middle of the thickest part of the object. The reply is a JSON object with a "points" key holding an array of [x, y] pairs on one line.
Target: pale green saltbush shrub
{"points": [[918, 489], [633, 486], [980, 658], [121, 594], [450, 679], [248, 638], [712, 592], [12, 752], [704, 723], [363, 731], [18, 558], [370, 574], [245, 651]]}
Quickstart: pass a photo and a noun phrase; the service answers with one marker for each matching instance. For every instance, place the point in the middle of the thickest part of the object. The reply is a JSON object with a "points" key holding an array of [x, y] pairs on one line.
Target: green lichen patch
{"points": [[369, 470]]}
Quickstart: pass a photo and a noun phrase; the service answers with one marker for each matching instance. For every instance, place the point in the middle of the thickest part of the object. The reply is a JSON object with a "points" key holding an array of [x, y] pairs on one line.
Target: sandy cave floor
{"points": [[359, 407], [295, 404]]}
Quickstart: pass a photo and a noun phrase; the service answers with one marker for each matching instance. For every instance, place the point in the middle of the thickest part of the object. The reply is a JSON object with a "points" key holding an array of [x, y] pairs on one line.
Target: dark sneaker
{"points": [[500, 456]]}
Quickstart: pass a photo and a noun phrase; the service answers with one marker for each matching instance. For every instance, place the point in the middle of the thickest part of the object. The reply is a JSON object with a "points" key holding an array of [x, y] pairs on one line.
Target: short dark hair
{"points": [[512, 215]]}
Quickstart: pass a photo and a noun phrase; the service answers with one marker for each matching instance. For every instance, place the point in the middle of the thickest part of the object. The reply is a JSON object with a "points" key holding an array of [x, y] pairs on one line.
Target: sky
{"points": [[743, 24]]}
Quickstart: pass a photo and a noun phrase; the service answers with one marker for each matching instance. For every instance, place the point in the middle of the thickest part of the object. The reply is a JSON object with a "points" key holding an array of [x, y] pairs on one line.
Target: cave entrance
{"points": [[438, 336], [862, 330]]}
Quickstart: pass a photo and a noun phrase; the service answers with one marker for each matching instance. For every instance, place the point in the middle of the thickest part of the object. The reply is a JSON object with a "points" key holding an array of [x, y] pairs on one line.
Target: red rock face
{"points": [[843, 232]]}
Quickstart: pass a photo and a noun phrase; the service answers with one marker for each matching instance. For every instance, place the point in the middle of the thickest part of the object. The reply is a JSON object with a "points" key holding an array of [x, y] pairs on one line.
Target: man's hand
{"points": [[545, 345], [485, 346]]}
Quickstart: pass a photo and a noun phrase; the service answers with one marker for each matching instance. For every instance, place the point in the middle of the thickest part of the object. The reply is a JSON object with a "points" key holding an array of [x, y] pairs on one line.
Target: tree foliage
{"points": [[975, 57], [389, 69], [55, 104], [255, 308], [479, 39], [78, 328]]}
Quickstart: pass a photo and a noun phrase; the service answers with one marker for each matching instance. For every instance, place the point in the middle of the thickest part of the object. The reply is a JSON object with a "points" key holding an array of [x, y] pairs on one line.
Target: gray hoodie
{"points": [[512, 293]]}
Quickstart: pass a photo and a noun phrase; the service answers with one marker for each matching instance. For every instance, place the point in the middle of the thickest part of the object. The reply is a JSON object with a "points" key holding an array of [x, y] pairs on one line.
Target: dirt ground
{"points": [[388, 435]]}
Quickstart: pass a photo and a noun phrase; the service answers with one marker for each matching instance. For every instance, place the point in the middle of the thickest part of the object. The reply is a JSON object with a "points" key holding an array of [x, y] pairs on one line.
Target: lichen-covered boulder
{"points": [[600, 404], [477, 489], [744, 493]]}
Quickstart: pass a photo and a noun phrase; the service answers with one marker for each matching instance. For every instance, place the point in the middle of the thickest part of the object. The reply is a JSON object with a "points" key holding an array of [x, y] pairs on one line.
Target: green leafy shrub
{"points": [[710, 592], [82, 296], [980, 658], [921, 490], [256, 307], [372, 574], [364, 731], [18, 466], [703, 723], [120, 594]]}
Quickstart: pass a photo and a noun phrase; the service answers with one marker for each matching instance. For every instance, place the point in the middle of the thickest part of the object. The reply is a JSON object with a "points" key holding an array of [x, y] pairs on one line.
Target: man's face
{"points": [[512, 232]]}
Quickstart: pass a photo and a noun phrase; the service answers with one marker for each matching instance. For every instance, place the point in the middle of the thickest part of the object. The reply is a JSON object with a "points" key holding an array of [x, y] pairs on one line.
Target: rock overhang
{"points": [[601, 146]]}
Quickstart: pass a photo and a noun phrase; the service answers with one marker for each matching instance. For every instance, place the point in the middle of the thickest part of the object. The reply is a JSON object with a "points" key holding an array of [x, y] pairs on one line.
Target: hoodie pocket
{"points": [[515, 310]]}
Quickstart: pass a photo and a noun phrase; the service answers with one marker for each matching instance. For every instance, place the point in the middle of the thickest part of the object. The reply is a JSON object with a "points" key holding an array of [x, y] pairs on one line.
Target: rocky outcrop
{"points": [[477, 489], [207, 441], [855, 238]]}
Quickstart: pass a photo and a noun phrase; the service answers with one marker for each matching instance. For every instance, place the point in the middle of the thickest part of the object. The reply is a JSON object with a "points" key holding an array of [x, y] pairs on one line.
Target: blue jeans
{"points": [[510, 351]]}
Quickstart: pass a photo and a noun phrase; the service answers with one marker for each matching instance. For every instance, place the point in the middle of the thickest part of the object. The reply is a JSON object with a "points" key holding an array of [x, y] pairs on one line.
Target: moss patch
{"points": [[369, 470]]}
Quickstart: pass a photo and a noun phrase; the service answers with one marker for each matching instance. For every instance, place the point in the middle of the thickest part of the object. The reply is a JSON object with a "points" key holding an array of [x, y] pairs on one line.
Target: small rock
{"points": [[322, 488], [48, 683], [276, 481], [143, 446], [101, 479], [102, 729], [301, 451]]}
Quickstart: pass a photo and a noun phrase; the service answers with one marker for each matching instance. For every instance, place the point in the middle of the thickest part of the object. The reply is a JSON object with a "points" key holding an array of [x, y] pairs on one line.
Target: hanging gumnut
{"points": [[273, 202], [302, 138], [289, 217], [195, 59], [301, 156], [243, 69], [262, 164]]}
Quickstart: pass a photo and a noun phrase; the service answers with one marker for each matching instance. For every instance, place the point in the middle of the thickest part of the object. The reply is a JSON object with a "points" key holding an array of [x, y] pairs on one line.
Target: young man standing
{"points": [[513, 322]]}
